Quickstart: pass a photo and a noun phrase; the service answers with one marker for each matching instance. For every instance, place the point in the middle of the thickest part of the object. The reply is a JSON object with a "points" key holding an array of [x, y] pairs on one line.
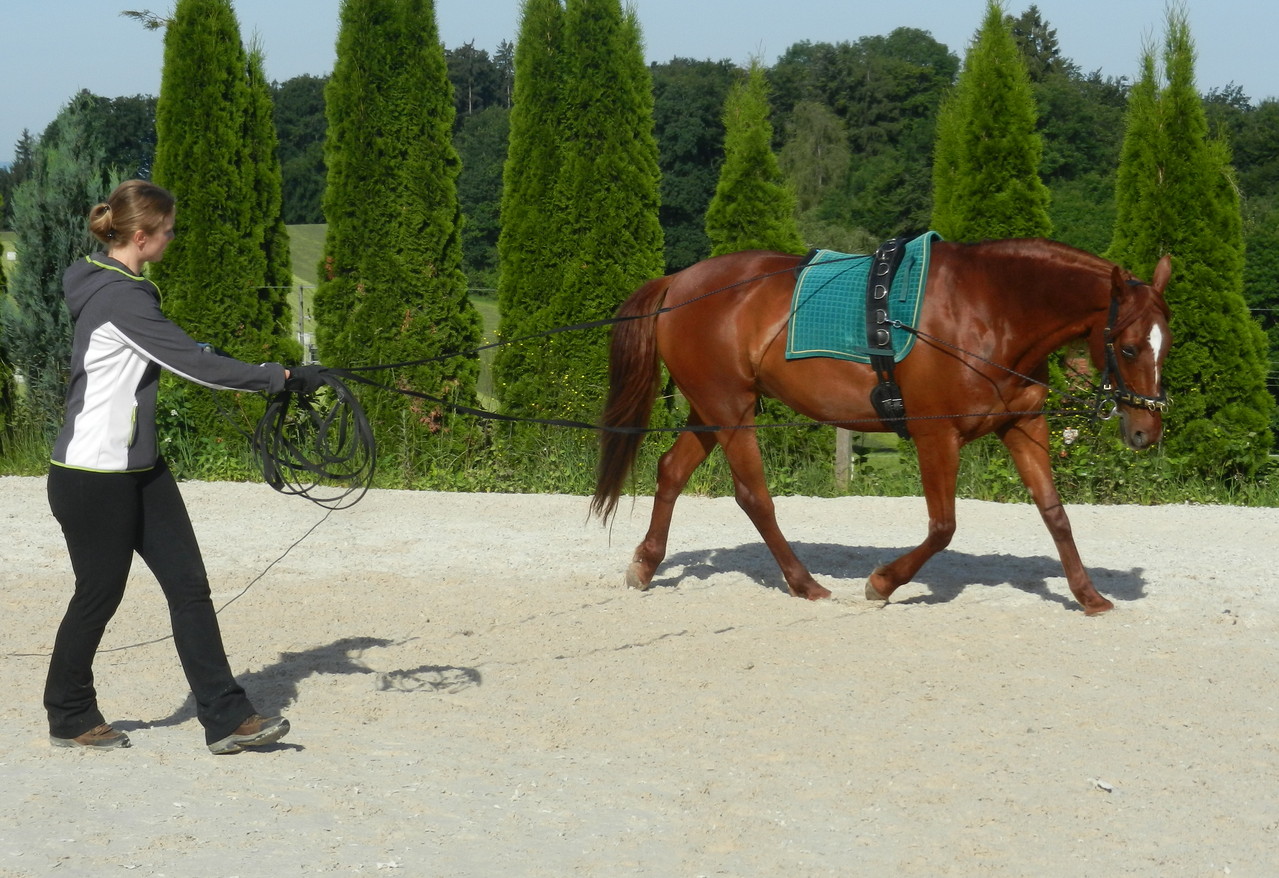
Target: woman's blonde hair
{"points": [[135, 205]]}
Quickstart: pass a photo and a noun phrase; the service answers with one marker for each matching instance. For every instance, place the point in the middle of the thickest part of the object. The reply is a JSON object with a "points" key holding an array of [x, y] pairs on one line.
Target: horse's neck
{"points": [[1055, 294], [1068, 306]]}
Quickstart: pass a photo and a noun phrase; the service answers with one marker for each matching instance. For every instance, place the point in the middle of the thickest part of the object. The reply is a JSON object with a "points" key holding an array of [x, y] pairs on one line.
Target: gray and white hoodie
{"points": [[122, 340]]}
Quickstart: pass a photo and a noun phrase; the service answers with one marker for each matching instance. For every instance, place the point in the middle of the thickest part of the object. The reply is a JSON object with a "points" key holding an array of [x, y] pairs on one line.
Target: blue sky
{"points": [[51, 52]]}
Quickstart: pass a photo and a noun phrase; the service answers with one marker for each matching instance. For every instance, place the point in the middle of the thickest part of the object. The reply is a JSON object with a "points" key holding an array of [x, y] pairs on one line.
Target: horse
{"points": [[993, 313]]}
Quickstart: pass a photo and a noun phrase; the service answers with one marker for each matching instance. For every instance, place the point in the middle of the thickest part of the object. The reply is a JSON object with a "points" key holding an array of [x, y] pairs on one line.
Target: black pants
{"points": [[106, 517]]}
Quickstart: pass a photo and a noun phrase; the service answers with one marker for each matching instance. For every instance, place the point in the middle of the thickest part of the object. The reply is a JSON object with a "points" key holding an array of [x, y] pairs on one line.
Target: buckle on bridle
{"points": [[1150, 403], [1115, 396]]}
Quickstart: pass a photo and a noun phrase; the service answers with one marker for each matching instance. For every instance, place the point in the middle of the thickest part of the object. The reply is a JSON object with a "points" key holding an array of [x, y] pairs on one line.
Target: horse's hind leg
{"points": [[673, 472], [742, 450]]}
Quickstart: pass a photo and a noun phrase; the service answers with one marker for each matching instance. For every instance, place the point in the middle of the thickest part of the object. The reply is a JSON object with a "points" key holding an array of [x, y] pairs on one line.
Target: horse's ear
{"points": [[1163, 271], [1117, 279]]}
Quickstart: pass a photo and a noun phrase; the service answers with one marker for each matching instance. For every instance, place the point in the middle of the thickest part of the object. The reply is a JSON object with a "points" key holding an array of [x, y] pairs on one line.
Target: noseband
{"points": [[1113, 389]]}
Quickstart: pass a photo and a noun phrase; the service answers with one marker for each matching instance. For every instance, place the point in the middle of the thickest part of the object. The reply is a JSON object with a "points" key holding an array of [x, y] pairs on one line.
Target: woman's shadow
{"points": [[275, 686]]}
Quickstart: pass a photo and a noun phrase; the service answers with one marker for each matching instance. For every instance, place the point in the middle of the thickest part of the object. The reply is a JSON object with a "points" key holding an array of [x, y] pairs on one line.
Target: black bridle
{"points": [[1113, 390]]}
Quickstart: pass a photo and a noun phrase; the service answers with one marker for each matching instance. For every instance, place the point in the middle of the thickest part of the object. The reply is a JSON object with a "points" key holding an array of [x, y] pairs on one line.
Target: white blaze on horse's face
{"points": [[1156, 340]]}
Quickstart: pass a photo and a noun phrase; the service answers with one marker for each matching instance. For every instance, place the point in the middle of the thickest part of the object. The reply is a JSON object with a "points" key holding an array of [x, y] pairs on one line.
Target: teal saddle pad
{"points": [[828, 307]]}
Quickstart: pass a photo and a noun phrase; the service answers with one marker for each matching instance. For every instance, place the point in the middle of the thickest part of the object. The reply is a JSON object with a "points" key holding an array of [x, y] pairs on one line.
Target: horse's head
{"points": [[1135, 344]]}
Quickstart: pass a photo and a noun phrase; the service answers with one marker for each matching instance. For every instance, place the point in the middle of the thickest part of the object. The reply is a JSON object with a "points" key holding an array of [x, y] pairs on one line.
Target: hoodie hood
{"points": [[87, 277]]}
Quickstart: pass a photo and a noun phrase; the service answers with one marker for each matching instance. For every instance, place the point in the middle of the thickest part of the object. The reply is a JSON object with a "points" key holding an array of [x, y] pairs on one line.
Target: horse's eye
{"points": [[1129, 352]]}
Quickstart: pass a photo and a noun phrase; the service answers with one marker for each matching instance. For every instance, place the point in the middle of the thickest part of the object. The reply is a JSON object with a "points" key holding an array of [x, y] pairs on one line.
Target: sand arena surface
{"points": [[474, 693]]}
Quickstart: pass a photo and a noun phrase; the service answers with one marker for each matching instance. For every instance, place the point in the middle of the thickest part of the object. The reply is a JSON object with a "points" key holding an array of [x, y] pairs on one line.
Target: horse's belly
{"points": [[821, 388]]}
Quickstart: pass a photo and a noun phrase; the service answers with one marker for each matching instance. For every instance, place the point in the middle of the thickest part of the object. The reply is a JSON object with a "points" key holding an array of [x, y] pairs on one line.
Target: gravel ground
{"points": [[474, 692]]}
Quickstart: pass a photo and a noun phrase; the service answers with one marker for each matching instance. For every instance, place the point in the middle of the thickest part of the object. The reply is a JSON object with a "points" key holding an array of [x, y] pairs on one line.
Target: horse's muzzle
{"points": [[1140, 429]]}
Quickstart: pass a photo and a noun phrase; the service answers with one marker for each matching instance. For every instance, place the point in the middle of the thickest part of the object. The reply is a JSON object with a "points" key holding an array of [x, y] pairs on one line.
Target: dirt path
{"points": [[473, 693]]}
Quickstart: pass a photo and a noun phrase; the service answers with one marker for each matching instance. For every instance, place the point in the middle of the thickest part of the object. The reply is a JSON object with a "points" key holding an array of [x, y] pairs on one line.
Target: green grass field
{"points": [[7, 242], [306, 247], [487, 306]]}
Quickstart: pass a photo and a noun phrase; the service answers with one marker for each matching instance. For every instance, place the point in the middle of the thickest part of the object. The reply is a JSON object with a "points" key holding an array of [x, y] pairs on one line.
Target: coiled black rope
{"points": [[317, 445]]}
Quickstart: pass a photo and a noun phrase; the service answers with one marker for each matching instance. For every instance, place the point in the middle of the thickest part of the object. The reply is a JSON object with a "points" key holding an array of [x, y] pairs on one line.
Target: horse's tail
{"points": [[633, 376]]}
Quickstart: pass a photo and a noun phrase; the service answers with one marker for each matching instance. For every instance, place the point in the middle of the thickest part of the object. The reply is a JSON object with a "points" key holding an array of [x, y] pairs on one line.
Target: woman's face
{"points": [[154, 243]]}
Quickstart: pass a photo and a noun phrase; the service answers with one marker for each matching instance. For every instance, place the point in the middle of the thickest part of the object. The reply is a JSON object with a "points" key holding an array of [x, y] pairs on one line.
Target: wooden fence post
{"points": [[843, 457]]}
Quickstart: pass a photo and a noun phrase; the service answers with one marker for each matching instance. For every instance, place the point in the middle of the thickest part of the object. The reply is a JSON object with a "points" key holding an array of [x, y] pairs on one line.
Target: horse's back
{"points": [[724, 304], [733, 275]]}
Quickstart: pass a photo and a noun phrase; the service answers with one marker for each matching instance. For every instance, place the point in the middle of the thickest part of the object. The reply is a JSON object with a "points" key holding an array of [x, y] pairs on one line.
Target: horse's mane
{"points": [[1044, 247], [1069, 257]]}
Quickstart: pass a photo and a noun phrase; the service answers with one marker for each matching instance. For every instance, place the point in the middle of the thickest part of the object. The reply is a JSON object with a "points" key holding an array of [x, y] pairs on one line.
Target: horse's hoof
{"points": [[873, 595], [1097, 609], [634, 580], [812, 592]]}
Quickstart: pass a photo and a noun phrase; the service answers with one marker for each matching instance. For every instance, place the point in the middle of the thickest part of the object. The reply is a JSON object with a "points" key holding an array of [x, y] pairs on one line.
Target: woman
{"points": [[113, 494]]}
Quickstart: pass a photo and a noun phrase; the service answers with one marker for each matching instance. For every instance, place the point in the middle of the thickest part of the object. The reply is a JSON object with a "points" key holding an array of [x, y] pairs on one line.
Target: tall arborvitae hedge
{"points": [[986, 165], [277, 282], [391, 285], [606, 200], [1176, 195], [212, 271], [528, 249], [209, 154], [753, 207]]}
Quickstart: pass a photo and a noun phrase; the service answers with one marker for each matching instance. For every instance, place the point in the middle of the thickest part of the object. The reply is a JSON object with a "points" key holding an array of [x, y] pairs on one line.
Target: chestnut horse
{"points": [[992, 314]]}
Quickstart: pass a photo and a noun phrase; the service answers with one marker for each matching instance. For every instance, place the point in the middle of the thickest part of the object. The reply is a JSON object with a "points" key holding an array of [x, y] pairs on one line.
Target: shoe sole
{"points": [[236, 743], [119, 743]]}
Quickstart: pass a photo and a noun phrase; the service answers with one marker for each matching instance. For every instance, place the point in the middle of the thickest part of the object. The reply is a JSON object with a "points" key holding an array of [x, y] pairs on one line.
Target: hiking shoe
{"points": [[256, 731], [101, 737]]}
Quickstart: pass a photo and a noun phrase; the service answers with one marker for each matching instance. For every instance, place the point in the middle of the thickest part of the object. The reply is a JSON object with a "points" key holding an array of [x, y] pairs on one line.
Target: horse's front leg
{"points": [[1028, 444], [938, 470], [741, 448], [673, 472]]}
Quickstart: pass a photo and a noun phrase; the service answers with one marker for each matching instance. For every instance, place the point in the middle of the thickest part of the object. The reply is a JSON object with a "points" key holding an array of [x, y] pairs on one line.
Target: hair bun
{"points": [[100, 222]]}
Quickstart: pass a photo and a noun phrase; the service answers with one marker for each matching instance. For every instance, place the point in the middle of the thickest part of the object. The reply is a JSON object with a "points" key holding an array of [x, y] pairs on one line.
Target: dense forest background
{"points": [[854, 127]]}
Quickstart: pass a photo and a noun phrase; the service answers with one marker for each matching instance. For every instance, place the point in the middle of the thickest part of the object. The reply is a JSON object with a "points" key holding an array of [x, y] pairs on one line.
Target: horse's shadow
{"points": [[275, 686], [946, 575]]}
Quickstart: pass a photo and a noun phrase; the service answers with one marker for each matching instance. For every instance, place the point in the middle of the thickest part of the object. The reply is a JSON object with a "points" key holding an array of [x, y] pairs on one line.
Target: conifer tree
{"points": [[209, 154], [19, 171], [606, 198], [8, 388], [391, 284], [986, 164], [528, 250], [753, 207], [1176, 195], [8, 395], [50, 216], [211, 272], [816, 155], [688, 118], [264, 142]]}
